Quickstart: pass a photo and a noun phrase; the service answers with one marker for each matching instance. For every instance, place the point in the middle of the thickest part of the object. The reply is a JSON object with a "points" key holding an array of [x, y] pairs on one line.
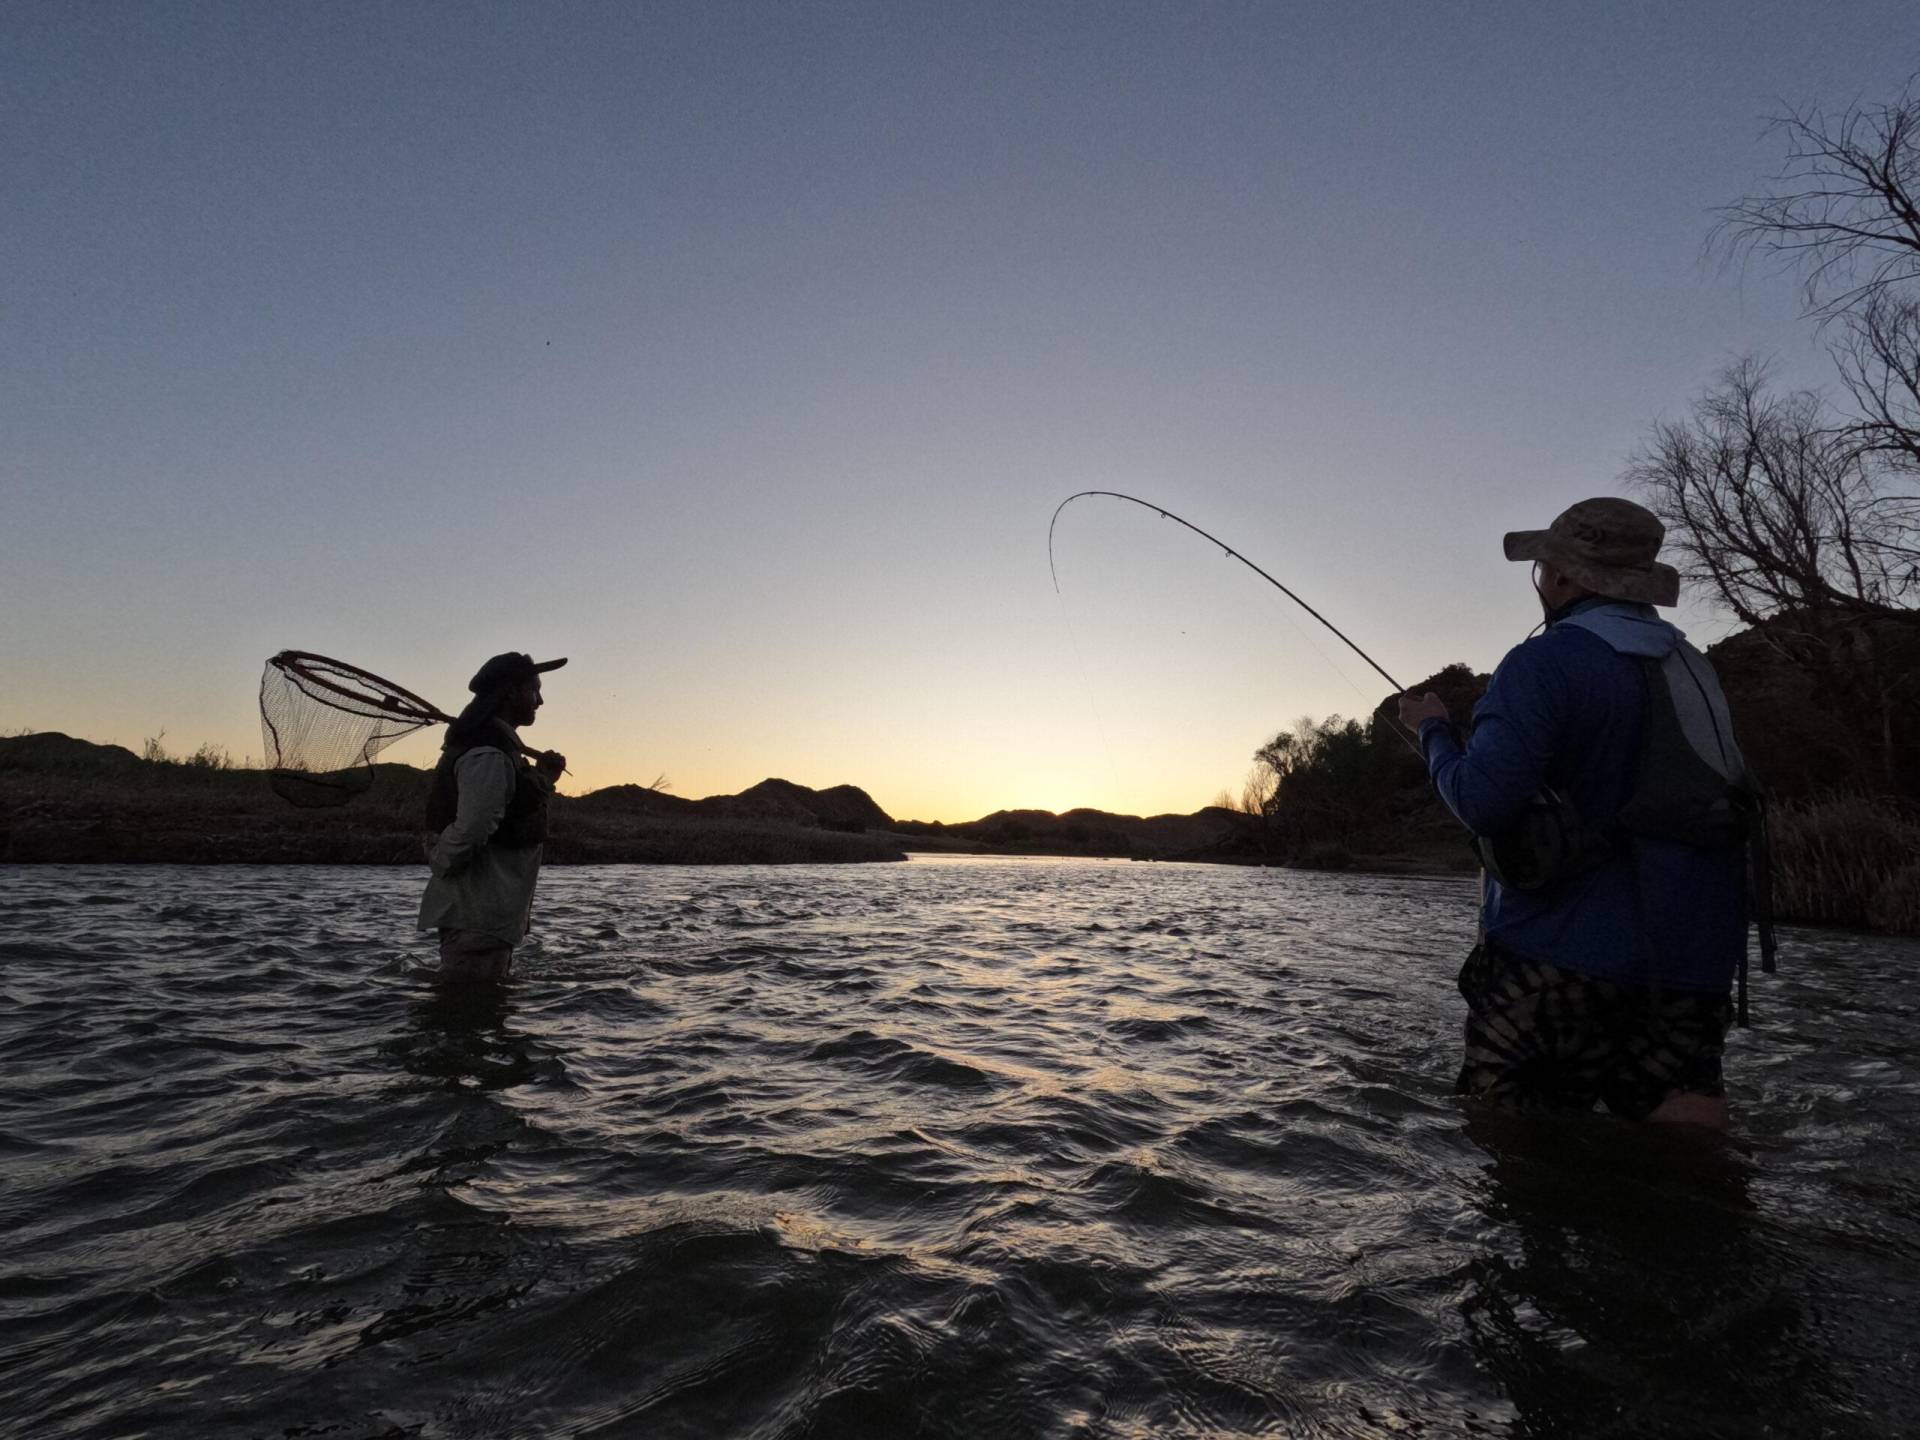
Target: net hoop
{"points": [[383, 698], [323, 721]]}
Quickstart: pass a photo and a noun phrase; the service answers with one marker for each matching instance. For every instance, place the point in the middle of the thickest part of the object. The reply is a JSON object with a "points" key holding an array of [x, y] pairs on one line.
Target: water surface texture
{"points": [[953, 1148]]}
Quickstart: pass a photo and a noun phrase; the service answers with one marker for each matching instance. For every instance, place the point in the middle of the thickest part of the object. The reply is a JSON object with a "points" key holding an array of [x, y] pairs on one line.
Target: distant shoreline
{"points": [[68, 801]]}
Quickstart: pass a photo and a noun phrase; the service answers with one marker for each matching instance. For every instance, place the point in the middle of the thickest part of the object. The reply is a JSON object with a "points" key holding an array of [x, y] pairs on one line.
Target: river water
{"points": [[951, 1148]]}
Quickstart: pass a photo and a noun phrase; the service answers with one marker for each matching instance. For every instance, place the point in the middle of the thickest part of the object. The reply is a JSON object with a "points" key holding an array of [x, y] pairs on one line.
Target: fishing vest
{"points": [[525, 823], [1691, 785]]}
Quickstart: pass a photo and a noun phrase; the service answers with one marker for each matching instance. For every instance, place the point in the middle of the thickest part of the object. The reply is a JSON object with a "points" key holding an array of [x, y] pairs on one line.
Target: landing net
{"points": [[323, 721]]}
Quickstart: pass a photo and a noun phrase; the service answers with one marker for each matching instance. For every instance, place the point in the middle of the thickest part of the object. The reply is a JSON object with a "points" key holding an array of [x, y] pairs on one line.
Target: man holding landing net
{"points": [[488, 809]]}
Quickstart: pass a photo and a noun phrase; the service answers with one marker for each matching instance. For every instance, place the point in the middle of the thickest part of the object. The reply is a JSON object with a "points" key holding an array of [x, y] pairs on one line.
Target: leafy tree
{"points": [[1328, 777]]}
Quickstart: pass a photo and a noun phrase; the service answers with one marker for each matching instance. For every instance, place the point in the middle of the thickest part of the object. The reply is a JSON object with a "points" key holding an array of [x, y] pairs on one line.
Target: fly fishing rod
{"points": [[1166, 514]]}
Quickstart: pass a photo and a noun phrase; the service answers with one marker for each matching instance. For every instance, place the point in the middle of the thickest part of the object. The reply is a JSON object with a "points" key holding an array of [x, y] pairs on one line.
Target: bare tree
{"points": [[1845, 212], [1846, 209], [1775, 508], [1784, 503], [1252, 796], [1256, 791], [1879, 362], [1283, 755]]}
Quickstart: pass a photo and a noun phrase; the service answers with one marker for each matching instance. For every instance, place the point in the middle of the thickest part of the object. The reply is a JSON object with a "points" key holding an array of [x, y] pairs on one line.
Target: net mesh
{"points": [[323, 721]]}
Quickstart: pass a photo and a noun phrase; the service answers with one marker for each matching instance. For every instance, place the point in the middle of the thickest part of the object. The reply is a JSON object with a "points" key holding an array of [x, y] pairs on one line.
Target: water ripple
{"points": [[953, 1148]]}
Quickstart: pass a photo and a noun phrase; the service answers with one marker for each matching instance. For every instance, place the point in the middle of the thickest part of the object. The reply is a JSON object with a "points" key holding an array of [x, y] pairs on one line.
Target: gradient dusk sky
{"points": [[741, 353]]}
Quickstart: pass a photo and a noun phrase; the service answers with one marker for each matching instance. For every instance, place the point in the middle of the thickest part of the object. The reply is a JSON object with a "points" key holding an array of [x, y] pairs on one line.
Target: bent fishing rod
{"points": [[1166, 514]]}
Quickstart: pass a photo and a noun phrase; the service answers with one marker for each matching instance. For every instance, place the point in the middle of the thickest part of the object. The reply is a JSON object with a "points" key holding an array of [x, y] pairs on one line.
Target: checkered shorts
{"points": [[1542, 1038]]}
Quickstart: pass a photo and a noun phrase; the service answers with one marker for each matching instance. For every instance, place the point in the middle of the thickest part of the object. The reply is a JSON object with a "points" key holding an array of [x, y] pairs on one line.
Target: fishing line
{"points": [[1306, 638], [1086, 679], [1233, 554]]}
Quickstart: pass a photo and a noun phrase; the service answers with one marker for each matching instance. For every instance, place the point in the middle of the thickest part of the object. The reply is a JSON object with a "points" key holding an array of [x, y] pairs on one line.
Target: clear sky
{"points": [[741, 353]]}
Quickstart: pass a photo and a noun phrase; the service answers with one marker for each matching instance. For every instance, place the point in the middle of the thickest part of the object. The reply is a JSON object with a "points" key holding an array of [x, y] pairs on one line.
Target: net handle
{"points": [[296, 661]]}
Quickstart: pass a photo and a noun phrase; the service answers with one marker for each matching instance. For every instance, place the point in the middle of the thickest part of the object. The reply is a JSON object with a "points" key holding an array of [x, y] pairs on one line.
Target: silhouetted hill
{"points": [[848, 804], [637, 800], [1210, 833], [841, 807], [51, 753], [1460, 686], [67, 800]]}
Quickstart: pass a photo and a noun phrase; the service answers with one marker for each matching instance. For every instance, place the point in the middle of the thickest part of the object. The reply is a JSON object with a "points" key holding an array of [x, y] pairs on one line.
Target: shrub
{"points": [[1325, 857], [208, 757]]}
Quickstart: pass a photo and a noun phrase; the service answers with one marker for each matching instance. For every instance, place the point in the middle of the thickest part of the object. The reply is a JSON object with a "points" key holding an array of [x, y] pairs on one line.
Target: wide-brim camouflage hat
{"points": [[1607, 544]]}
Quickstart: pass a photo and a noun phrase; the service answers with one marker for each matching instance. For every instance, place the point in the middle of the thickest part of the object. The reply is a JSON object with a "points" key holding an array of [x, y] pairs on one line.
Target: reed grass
{"points": [[208, 757], [1847, 860]]}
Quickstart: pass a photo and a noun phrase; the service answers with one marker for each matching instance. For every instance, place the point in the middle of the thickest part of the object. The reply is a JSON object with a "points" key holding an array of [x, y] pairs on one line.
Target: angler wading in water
{"points": [[1611, 810], [488, 809]]}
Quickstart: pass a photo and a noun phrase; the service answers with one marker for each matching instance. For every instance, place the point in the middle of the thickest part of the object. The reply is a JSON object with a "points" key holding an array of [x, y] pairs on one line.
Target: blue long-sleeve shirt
{"points": [[1566, 709]]}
